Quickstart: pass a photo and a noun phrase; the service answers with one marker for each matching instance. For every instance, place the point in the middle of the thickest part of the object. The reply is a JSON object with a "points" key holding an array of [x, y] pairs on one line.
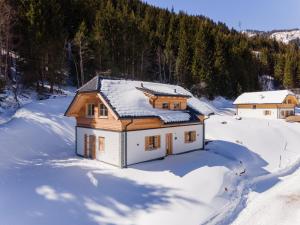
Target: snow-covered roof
{"points": [[263, 97], [127, 98]]}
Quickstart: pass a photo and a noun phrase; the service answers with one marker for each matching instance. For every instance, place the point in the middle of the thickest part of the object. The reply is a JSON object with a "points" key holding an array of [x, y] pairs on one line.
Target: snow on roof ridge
{"points": [[263, 97], [127, 100]]}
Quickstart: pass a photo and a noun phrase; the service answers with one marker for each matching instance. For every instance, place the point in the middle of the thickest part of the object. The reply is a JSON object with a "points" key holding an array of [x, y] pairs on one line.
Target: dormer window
{"points": [[165, 105], [177, 106], [102, 110], [90, 110]]}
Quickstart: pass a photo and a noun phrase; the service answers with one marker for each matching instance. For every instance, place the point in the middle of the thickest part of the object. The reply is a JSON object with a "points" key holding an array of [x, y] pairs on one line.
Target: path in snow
{"points": [[278, 206], [277, 142]]}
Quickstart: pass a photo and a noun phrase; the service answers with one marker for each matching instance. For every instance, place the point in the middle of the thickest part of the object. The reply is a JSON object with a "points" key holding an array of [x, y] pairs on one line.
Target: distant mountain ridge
{"points": [[285, 35]]}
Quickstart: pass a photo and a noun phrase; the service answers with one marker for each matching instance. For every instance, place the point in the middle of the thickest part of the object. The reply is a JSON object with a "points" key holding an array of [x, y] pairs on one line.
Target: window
{"points": [[289, 101], [254, 107], [189, 136], [267, 112], [177, 106], [165, 105], [90, 110], [102, 110], [101, 144], [152, 142]]}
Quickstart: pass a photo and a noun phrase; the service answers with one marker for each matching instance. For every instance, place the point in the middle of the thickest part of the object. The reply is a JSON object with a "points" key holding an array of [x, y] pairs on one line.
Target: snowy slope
{"points": [[286, 36], [280, 205], [44, 182]]}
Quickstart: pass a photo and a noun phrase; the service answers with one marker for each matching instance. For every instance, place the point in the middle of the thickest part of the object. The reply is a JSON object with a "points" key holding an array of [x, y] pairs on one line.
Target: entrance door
{"points": [[169, 144], [90, 146]]}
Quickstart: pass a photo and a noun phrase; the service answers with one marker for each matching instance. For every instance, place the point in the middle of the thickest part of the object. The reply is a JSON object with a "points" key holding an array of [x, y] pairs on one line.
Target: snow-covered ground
{"points": [[280, 205], [8, 104], [247, 164], [286, 36]]}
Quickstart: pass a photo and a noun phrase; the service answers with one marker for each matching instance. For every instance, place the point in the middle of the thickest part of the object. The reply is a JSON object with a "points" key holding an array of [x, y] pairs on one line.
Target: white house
{"points": [[266, 104], [123, 122]]}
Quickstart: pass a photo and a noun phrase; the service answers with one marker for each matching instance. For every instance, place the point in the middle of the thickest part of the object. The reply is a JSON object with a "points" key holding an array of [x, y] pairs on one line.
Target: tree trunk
{"points": [[159, 64], [6, 57], [51, 86], [81, 64], [142, 63]]}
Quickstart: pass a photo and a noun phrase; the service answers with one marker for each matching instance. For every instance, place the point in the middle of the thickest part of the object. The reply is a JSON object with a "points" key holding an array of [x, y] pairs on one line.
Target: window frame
{"points": [[101, 143], [101, 110], [165, 104], [190, 136], [152, 142], [90, 110], [179, 105]]}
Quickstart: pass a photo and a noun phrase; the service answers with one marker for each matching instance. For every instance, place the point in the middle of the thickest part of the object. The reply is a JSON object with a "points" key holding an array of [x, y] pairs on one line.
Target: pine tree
{"points": [[279, 67], [183, 58], [290, 68], [221, 67], [203, 59], [171, 47]]}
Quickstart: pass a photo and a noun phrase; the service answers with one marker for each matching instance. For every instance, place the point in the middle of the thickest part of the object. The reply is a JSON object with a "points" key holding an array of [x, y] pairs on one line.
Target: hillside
{"points": [[44, 182], [68, 42]]}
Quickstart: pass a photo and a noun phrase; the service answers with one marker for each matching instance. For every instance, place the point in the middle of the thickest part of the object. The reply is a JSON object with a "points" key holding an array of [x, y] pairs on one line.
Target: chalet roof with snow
{"points": [[263, 97], [127, 98]]}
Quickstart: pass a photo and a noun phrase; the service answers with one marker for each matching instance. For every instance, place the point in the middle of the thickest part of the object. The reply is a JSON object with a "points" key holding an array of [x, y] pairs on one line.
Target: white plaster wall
{"points": [[112, 152], [257, 113], [136, 142]]}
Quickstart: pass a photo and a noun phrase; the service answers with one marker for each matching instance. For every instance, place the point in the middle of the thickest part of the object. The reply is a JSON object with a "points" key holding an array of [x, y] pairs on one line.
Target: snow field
{"points": [[44, 182]]}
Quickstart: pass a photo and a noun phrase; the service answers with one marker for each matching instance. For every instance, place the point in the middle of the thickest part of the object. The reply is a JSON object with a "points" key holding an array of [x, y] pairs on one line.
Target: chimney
{"points": [[142, 85], [175, 91]]}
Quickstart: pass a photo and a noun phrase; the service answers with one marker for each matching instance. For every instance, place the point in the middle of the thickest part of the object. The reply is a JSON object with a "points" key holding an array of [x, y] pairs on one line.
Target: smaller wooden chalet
{"points": [[266, 104], [122, 122]]}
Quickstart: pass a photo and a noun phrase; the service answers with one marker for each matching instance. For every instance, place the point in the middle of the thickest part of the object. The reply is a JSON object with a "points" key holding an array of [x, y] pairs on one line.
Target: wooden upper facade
{"points": [[92, 110], [167, 102]]}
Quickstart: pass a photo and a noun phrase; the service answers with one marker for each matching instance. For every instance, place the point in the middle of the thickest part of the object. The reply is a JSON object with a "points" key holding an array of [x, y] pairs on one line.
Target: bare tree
{"points": [[6, 23], [80, 42]]}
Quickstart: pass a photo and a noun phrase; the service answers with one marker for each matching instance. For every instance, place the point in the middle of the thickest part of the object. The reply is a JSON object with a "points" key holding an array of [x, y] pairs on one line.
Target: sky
{"points": [[262, 15]]}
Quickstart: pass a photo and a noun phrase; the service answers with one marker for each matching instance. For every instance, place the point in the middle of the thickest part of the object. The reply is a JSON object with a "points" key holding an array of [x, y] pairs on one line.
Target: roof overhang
{"points": [[99, 95]]}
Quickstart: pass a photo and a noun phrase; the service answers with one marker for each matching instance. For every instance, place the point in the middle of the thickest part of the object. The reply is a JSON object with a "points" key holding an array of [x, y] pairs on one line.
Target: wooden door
{"points": [[90, 149], [169, 144]]}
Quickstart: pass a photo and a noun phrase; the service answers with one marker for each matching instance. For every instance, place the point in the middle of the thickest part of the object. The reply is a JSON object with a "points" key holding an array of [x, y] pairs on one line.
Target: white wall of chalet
{"points": [[260, 113], [112, 142], [257, 113], [136, 143]]}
